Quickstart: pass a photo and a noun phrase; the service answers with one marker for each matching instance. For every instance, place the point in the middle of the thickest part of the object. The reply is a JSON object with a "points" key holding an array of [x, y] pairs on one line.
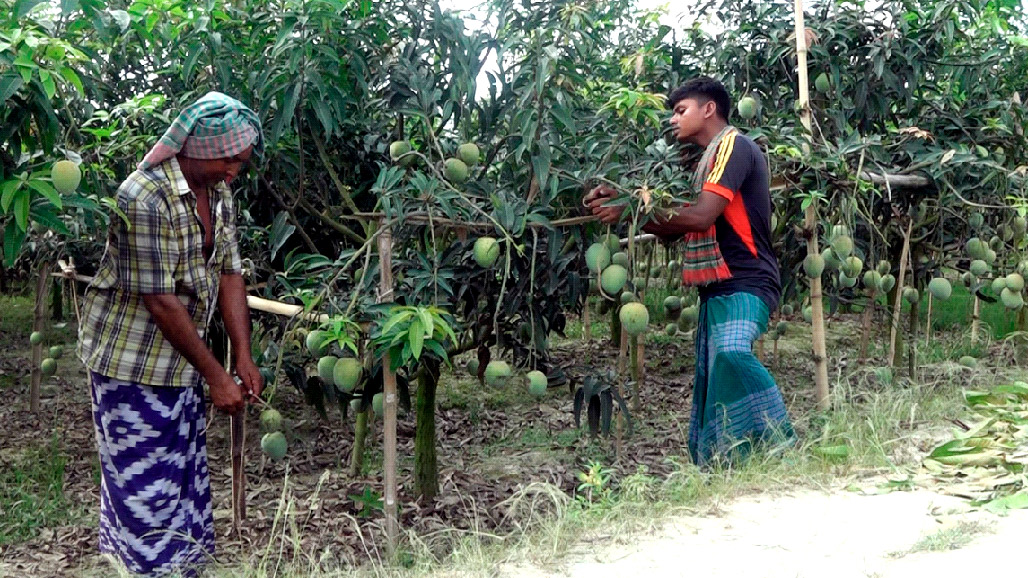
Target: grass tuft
{"points": [[32, 493]]}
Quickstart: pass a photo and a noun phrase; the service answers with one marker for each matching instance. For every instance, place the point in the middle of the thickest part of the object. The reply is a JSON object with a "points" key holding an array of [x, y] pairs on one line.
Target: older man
{"points": [[168, 264]]}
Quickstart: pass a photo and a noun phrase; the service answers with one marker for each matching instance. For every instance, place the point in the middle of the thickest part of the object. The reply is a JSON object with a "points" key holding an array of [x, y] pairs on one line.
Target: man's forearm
{"points": [[235, 313], [173, 319], [685, 220]]}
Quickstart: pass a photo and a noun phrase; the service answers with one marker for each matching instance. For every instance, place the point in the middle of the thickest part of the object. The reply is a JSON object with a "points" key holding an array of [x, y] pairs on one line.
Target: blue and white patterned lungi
{"points": [[155, 493]]}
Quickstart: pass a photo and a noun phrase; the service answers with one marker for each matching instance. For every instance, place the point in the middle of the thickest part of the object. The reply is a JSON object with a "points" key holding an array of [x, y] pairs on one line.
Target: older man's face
{"points": [[214, 171]]}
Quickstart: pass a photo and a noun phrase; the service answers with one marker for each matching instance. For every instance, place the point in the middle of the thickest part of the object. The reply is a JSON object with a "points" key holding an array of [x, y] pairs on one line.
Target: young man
{"points": [[728, 255], [167, 266]]}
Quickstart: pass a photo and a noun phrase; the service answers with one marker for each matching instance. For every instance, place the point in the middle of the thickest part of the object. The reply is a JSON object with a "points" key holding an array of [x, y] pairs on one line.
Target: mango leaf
{"points": [[416, 338], [23, 7], [839, 452], [7, 190], [44, 216], [20, 207], [112, 204], [13, 240], [47, 190], [280, 232], [9, 85]]}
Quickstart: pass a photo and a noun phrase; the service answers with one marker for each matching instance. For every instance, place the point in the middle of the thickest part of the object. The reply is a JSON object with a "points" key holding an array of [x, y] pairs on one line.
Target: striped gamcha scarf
{"points": [[702, 262], [216, 126]]}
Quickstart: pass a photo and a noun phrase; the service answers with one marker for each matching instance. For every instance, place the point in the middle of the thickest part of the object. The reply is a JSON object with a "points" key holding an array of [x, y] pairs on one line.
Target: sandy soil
{"points": [[811, 534]]}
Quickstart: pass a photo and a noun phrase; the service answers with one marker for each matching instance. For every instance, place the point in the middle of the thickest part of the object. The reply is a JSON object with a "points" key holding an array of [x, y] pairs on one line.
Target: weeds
{"points": [[32, 493]]}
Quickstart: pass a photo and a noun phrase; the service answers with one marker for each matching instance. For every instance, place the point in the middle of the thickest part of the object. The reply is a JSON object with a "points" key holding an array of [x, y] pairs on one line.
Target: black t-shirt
{"points": [[744, 230]]}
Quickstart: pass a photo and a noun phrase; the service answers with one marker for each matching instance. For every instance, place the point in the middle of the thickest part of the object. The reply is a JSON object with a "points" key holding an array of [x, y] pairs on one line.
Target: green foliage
{"points": [[369, 503], [594, 483], [408, 331]]}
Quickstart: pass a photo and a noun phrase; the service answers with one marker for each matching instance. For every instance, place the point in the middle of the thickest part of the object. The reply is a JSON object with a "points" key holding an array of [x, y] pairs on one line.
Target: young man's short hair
{"points": [[704, 89]]}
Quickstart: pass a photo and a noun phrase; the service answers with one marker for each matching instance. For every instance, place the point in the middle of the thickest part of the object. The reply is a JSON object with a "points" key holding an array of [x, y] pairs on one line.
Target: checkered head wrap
{"points": [[214, 127]]}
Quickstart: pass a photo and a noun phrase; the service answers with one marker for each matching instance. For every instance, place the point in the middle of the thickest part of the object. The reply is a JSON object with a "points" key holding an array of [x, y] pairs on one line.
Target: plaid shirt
{"points": [[161, 252]]}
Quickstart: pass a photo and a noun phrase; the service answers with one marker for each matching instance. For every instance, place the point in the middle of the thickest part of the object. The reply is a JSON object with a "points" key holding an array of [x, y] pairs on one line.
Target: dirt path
{"points": [[812, 534]]}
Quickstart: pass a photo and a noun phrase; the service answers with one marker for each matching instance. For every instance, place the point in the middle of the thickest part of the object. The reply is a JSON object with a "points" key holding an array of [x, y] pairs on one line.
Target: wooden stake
{"points": [[39, 324], [976, 317], [898, 303], [385, 254], [928, 324], [810, 221], [237, 441], [865, 334], [586, 327], [639, 370], [912, 341], [623, 351]]}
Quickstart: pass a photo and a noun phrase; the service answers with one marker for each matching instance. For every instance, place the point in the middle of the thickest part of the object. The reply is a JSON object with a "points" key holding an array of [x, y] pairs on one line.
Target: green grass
{"points": [[955, 313], [18, 313], [31, 493], [952, 538], [17, 318]]}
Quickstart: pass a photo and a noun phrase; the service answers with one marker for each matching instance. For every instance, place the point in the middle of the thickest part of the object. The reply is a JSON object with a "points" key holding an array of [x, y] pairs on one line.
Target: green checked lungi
{"points": [[736, 403]]}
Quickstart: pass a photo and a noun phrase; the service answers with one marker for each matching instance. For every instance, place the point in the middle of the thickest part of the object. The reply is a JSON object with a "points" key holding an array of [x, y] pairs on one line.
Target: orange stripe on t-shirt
{"points": [[737, 217], [719, 190]]}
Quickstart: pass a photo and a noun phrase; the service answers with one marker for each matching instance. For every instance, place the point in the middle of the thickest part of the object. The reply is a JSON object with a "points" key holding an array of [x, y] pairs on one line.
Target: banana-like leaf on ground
{"points": [[1018, 501]]}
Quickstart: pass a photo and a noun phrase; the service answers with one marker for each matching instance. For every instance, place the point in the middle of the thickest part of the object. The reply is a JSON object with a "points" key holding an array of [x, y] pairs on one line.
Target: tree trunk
{"points": [[360, 434], [426, 469]]}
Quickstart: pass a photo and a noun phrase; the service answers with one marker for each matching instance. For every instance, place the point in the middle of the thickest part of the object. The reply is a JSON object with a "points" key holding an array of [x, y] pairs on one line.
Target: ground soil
{"points": [[490, 445]]}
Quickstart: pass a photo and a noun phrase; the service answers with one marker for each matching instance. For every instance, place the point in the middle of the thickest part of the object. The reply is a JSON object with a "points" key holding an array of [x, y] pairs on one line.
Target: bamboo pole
{"points": [[897, 304], [385, 253], [256, 303], [820, 353], [38, 324]]}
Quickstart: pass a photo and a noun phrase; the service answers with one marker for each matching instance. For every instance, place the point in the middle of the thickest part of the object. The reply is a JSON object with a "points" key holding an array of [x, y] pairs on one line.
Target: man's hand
{"points": [[226, 394], [250, 375], [594, 201]]}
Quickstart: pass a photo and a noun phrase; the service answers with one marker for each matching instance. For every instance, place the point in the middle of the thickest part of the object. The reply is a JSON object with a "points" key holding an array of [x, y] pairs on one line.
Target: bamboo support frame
{"points": [[810, 222], [898, 301], [385, 252], [38, 324]]}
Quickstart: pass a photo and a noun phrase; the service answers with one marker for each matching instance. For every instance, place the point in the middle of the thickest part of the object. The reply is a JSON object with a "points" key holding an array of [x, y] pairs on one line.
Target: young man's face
{"points": [[689, 116]]}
